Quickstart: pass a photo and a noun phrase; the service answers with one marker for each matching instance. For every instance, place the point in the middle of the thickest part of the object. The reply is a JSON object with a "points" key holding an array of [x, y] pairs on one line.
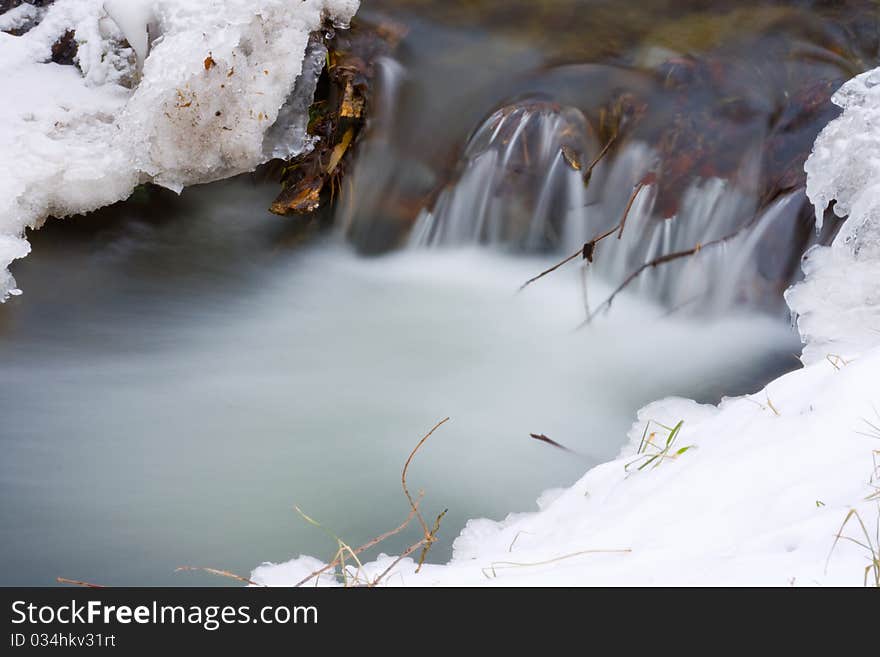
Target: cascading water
{"points": [[514, 184], [516, 190]]}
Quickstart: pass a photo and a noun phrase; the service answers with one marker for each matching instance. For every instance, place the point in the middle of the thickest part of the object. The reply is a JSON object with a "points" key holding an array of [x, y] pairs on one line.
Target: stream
{"points": [[182, 371]]}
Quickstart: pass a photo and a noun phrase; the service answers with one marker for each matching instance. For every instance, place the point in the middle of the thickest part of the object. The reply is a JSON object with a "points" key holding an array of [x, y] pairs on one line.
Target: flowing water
{"points": [[171, 389], [181, 371]]}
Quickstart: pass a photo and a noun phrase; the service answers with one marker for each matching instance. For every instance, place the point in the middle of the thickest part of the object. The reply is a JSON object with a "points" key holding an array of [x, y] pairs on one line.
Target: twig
{"points": [[429, 541], [551, 270], [515, 538], [409, 459], [550, 441], [586, 252], [513, 564], [670, 257], [217, 571], [632, 199], [429, 534], [403, 555], [76, 582], [363, 548], [588, 172]]}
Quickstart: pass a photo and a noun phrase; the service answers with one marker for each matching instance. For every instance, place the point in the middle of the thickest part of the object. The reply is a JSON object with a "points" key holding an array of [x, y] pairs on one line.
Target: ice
{"points": [[845, 163], [134, 18], [838, 304], [192, 106]]}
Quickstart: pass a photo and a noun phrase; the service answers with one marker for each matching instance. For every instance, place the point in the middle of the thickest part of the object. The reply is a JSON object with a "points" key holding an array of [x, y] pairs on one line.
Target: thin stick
{"points": [[412, 504], [76, 582], [586, 251], [552, 269], [550, 441], [430, 540], [514, 564], [366, 546], [408, 551], [217, 571], [632, 199], [515, 538], [670, 257], [588, 172]]}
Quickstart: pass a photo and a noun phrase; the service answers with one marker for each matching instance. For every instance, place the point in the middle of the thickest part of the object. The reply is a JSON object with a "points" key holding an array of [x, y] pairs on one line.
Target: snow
{"points": [[19, 17], [193, 106], [767, 480]]}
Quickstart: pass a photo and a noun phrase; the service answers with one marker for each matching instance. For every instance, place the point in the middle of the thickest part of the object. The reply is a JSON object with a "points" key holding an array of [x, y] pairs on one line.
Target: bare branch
{"points": [[430, 540], [217, 571], [430, 535], [403, 555], [76, 582], [632, 199], [409, 459], [586, 252], [366, 546], [589, 170], [550, 441]]}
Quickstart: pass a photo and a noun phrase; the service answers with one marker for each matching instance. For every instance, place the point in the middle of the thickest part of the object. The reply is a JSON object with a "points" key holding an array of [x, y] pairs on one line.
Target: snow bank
{"points": [[195, 109], [755, 501], [767, 479]]}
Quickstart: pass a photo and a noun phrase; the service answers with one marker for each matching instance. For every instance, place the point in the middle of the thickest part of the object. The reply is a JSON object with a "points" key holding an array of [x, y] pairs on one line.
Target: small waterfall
{"points": [[519, 190], [515, 187]]}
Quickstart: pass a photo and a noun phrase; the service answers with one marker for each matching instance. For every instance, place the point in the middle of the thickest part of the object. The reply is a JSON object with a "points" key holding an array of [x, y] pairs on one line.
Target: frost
{"points": [[173, 92]]}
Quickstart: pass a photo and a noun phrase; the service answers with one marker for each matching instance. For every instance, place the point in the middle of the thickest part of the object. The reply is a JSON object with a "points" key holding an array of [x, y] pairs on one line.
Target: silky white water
{"points": [[176, 413]]}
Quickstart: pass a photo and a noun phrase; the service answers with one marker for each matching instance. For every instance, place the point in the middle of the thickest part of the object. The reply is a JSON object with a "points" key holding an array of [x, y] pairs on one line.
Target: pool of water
{"points": [[176, 378]]}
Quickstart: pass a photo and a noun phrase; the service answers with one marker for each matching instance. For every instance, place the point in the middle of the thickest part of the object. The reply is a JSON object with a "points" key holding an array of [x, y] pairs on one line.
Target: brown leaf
{"points": [[571, 158], [303, 198], [339, 150], [352, 103]]}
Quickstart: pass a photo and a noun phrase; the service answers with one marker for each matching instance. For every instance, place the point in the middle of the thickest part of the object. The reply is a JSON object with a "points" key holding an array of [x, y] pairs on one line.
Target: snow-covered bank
{"points": [[768, 479], [757, 502], [197, 108]]}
